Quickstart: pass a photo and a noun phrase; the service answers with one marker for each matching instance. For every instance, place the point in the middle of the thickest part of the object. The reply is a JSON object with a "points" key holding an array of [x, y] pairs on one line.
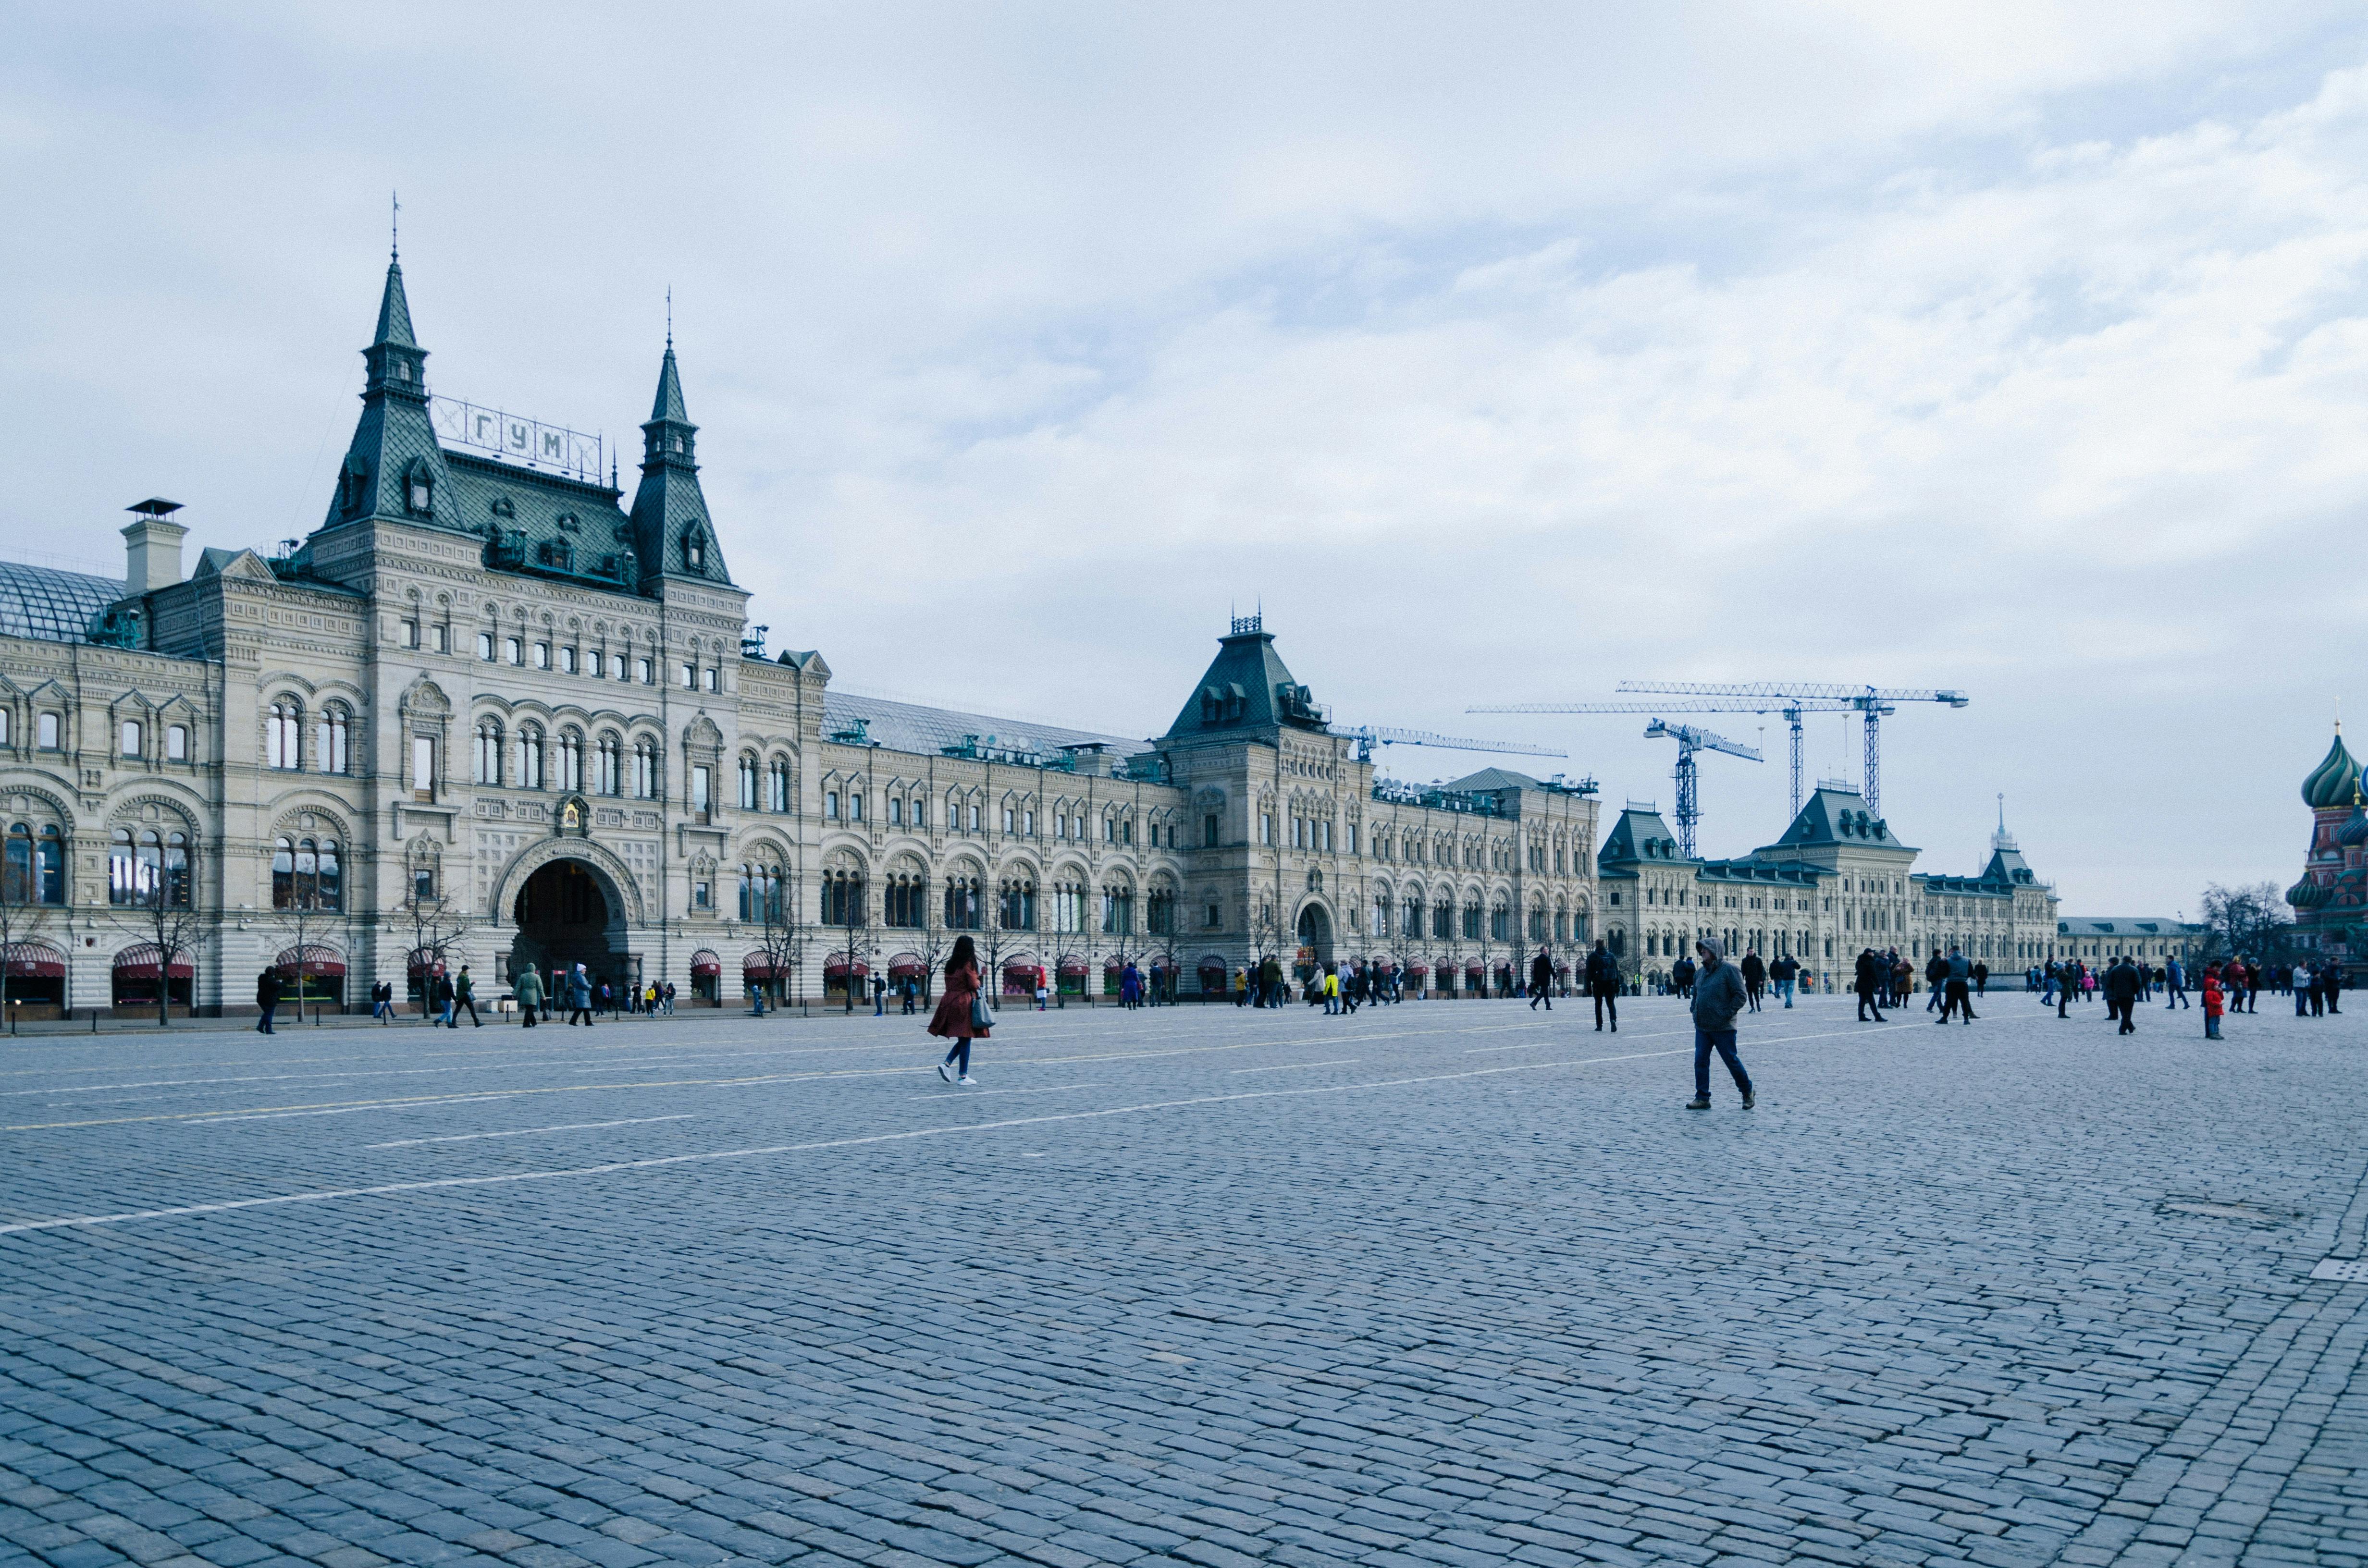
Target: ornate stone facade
{"points": [[490, 713]]}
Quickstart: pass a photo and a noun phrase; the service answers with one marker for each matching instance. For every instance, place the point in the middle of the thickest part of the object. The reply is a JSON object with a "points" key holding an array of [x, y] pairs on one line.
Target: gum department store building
{"points": [[490, 713]]}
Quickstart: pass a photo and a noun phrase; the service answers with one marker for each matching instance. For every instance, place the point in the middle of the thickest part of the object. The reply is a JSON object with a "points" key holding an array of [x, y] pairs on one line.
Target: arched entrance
{"points": [[566, 914], [1315, 939]]}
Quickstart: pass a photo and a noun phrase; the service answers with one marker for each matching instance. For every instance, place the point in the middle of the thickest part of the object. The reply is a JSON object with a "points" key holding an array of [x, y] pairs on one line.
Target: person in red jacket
{"points": [[2211, 1005]]}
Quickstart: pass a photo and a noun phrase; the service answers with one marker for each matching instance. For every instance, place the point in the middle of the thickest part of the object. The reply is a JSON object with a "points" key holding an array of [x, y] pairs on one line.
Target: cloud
{"points": [[1504, 353]]}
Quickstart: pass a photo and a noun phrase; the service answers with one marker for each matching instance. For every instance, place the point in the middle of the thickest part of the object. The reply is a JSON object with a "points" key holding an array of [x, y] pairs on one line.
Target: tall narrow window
{"points": [[330, 738], [702, 776], [531, 759], [645, 770], [571, 760], [45, 732], [609, 769], [485, 758], [747, 783], [778, 786], [283, 731], [423, 766], [130, 737], [176, 740]]}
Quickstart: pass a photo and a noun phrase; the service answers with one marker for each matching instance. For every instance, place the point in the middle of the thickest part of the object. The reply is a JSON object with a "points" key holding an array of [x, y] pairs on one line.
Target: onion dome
{"points": [[2307, 894], [2354, 831], [2334, 781]]}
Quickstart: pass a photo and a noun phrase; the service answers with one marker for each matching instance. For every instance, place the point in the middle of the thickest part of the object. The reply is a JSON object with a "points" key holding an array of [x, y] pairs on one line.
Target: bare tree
{"points": [[436, 926], [22, 917], [160, 906], [304, 924], [781, 935], [2252, 922], [932, 938]]}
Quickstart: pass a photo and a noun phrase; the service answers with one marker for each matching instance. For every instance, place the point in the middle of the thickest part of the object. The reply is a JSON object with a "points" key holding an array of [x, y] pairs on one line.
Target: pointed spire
{"points": [[667, 407], [393, 312]]}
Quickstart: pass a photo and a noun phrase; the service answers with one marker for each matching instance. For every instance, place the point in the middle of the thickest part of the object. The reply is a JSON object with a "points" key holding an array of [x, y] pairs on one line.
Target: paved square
{"points": [[1437, 1284]]}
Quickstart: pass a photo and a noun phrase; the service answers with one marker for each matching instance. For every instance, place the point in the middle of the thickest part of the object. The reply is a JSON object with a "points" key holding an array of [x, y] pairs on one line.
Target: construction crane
{"points": [[1791, 703], [1367, 737], [1792, 698], [1690, 741]]}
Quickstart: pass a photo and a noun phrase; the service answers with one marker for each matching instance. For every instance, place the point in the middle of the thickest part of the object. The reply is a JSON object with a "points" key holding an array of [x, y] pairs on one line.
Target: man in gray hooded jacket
{"points": [[1718, 997]]}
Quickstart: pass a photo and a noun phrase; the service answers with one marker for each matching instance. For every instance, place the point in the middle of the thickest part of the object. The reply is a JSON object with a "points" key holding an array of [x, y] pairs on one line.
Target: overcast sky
{"points": [[1502, 352]]}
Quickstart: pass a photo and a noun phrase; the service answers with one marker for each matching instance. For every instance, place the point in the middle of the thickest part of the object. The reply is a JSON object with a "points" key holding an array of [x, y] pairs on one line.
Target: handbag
{"points": [[981, 1018]]}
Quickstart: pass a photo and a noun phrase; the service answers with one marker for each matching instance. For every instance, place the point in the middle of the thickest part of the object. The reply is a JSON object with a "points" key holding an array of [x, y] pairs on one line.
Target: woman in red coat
{"points": [[961, 1014]]}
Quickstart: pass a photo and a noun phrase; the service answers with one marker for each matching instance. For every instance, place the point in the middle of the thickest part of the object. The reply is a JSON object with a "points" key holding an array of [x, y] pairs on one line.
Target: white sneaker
{"points": [[968, 1081], [943, 1073]]}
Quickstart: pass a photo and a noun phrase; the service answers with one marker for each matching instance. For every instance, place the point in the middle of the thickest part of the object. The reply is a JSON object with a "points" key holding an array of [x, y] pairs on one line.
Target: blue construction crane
{"points": [[1789, 701], [1690, 741], [1367, 737]]}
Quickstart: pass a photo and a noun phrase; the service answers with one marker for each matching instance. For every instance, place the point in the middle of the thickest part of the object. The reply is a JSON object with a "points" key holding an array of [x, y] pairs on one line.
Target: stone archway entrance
{"points": [[1315, 939], [567, 914]]}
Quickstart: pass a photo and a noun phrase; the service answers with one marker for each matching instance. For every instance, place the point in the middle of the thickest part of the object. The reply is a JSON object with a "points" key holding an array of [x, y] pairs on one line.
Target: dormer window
{"points": [[401, 368], [694, 549], [354, 484], [678, 443], [419, 492], [505, 507], [568, 524]]}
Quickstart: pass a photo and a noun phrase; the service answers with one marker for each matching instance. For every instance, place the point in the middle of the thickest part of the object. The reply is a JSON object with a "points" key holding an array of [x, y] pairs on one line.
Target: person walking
{"points": [[1960, 980], [1603, 985], [2122, 987], [383, 1001], [1718, 997], [1541, 980], [2174, 986], [1681, 976], [465, 994], [1755, 977], [2330, 982], [1936, 980], [2305, 983], [445, 995], [579, 997], [2253, 984], [1784, 972], [2066, 981], [527, 989], [1981, 980], [1863, 983], [2212, 1004], [962, 1015], [266, 1000], [879, 995]]}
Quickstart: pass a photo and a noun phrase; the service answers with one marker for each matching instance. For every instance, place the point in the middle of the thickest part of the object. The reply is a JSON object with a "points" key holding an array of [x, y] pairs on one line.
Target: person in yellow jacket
{"points": [[1331, 989]]}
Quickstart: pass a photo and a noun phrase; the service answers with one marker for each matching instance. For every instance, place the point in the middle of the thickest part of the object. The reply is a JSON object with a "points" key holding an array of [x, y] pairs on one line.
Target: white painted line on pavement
{"points": [[978, 1093], [525, 1131], [1296, 1066], [210, 1120], [386, 1189]]}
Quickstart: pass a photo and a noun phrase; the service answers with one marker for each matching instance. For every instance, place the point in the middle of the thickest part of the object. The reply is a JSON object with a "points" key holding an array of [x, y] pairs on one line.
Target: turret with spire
{"points": [[672, 534], [394, 469]]}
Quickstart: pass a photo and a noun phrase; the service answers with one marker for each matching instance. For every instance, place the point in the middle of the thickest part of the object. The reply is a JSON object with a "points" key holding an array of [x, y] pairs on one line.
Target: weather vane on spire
{"points": [[669, 317], [394, 227]]}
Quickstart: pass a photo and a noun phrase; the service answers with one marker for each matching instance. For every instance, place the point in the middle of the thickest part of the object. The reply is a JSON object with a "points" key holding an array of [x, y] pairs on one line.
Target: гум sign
{"points": [[553, 447]]}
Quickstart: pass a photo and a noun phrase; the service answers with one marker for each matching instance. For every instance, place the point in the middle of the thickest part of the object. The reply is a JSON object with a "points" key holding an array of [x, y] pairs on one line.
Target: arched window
{"points": [[284, 735], [609, 768], [131, 737], [1068, 907], [1159, 912], [419, 487], [330, 735], [645, 770], [906, 905], [694, 543], [123, 871], [962, 904], [530, 757], [571, 760], [842, 898], [747, 783], [305, 874], [283, 873], [1016, 905], [177, 869], [777, 787], [760, 895], [1118, 911], [487, 757]]}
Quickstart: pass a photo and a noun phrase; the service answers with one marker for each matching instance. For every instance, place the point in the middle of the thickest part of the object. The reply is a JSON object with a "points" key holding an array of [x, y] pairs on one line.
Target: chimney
{"points": [[152, 547]]}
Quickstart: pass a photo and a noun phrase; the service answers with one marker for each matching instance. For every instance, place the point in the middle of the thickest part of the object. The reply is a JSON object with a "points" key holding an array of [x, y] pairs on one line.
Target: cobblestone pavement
{"points": [[1438, 1284]]}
